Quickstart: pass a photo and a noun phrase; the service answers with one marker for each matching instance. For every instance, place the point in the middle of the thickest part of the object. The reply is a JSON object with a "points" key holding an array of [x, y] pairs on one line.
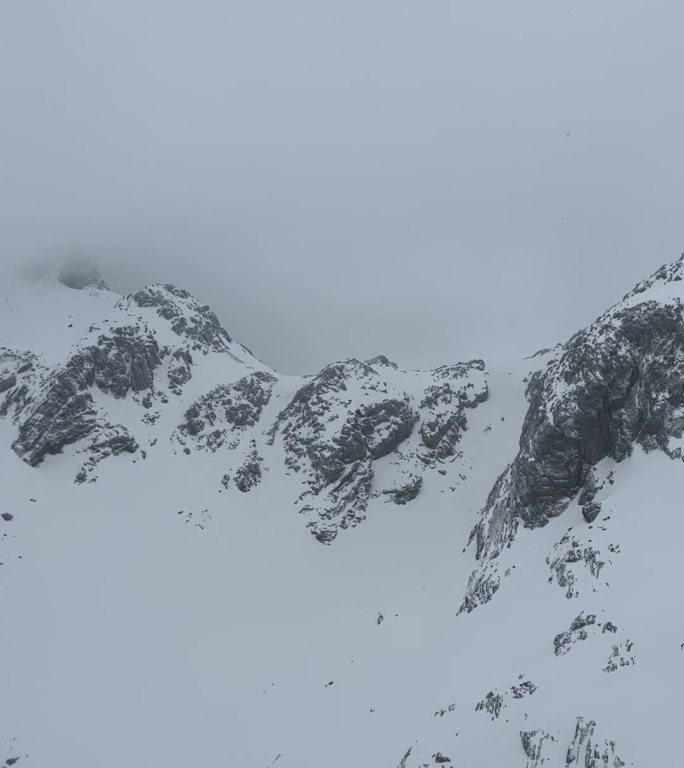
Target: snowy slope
{"points": [[166, 604]]}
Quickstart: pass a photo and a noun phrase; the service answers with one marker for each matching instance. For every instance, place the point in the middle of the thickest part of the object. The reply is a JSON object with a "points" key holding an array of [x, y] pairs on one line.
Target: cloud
{"points": [[429, 181]]}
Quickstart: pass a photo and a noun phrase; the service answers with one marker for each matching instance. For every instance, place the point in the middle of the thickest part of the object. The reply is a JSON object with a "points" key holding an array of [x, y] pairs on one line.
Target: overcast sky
{"points": [[432, 180]]}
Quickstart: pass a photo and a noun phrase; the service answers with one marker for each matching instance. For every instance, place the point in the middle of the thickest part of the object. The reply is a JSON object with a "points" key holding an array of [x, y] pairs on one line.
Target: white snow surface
{"points": [[154, 618]]}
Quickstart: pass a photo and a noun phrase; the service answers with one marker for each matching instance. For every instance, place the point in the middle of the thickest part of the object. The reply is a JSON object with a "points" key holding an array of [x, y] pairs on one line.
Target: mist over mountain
{"points": [[394, 179], [204, 560], [341, 384]]}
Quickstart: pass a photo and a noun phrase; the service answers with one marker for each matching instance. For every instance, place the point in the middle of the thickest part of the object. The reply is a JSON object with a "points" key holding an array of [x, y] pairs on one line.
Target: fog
{"points": [[428, 180]]}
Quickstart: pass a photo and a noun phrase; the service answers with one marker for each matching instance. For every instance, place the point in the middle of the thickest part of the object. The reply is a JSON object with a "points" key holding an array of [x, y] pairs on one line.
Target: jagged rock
{"points": [[407, 492], [491, 704], [344, 504], [526, 688], [444, 404], [591, 511], [348, 416], [584, 751], [180, 370], [533, 745], [65, 412], [614, 384], [571, 552], [495, 701], [587, 753], [18, 370], [564, 641], [620, 656], [188, 317], [217, 419], [249, 474], [80, 273]]}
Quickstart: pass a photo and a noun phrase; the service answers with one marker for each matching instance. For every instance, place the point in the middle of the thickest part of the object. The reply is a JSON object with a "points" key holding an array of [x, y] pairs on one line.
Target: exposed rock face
{"points": [[80, 273], [621, 655], [618, 383], [64, 411], [564, 641], [533, 746], [353, 414], [17, 370], [355, 431], [187, 317], [248, 474], [444, 410], [407, 492], [589, 752], [569, 554], [584, 751], [494, 702], [218, 418]]}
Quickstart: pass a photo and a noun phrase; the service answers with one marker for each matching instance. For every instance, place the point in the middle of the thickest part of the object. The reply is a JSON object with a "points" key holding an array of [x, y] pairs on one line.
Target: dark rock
{"points": [[249, 474], [591, 511], [7, 516], [7, 383], [349, 416], [217, 418], [569, 552], [180, 370], [492, 704], [119, 363], [563, 642], [407, 492], [188, 317], [617, 383], [80, 273]]}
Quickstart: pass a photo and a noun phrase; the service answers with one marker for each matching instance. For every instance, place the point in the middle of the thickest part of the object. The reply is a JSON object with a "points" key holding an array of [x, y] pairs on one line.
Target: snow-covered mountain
{"points": [[204, 562]]}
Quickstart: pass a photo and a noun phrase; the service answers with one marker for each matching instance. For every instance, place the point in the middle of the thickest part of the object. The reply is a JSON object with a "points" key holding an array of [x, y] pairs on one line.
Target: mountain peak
{"points": [[188, 316], [79, 273], [664, 275]]}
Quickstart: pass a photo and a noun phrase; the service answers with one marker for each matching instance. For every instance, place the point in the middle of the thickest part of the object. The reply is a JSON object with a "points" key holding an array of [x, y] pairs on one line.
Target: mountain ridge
{"points": [[199, 471]]}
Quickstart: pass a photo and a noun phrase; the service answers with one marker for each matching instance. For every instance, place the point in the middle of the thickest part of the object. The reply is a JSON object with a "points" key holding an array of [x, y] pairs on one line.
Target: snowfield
{"points": [[155, 613]]}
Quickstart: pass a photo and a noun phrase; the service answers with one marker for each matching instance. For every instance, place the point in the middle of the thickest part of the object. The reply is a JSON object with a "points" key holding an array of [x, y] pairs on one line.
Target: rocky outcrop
{"points": [[219, 418], [533, 746], [64, 412], [590, 752], [444, 408], [495, 701], [18, 371], [187, 317], [569, 554], [407, 492], [355, 431], [79, 273], [585, 749], [621, 655], [248, 474], [618, 383], [354, 413], [577, 631]]}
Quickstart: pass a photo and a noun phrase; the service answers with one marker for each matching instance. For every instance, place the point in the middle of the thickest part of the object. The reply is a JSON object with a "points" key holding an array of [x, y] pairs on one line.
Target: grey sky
{"points": [[431, 180]]}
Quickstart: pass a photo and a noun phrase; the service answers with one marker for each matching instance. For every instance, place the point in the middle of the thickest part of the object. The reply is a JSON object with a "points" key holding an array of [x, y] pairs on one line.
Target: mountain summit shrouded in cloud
{"points": [[205, 560], [416, 177]]}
